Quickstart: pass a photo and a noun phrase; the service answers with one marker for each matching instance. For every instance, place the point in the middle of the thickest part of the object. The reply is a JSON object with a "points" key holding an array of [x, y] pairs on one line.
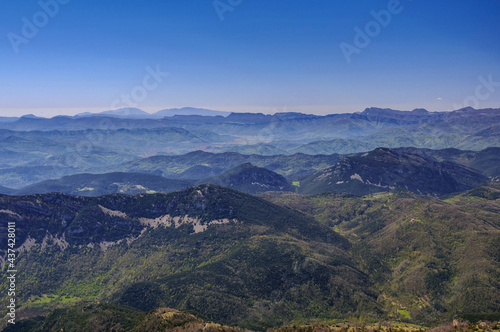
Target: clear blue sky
{"points": [[265, 55]]}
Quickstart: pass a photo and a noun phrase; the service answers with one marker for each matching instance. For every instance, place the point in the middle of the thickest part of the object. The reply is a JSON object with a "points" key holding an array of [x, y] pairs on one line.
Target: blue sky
{"points": [[264, 56]]}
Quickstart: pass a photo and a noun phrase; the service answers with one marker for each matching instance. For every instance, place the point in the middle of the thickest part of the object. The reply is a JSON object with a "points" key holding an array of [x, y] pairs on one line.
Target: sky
{"points": [[316, 56]]}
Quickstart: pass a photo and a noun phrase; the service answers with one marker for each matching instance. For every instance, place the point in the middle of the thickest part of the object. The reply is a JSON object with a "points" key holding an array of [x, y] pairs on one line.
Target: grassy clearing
{"points": [[52, 299]]}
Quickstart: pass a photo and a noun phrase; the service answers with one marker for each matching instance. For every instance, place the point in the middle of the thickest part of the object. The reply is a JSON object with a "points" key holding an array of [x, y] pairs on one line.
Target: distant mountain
{"points": [[83, 150], [102, 144], [189, 111], [132, 113], [242, 260], [397, 117], [68, 123], [21, 176], [384, 169], [194, 165], [103, 184], [423, 171], [465, 129], [135, 113], [251, 179]]}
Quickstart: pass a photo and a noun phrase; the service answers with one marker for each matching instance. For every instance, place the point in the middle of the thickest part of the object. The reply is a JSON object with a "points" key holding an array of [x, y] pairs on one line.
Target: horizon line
{"points": [[98, 111]]}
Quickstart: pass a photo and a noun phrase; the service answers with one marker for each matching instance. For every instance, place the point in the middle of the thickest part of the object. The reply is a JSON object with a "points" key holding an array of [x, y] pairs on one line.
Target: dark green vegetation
{"points": [[433, 172], [384, 169], [36, 149], [241, 260], [112, 317], [465, 129]]}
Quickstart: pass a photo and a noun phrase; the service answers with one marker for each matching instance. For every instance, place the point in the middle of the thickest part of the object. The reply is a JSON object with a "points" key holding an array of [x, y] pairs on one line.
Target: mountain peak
{"points": [[466, 109], [30, 116], [421, 111]]}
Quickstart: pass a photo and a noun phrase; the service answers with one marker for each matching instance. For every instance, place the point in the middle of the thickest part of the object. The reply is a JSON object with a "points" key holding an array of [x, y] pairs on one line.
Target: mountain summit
{"points": [[251, 179], [384, 169]]}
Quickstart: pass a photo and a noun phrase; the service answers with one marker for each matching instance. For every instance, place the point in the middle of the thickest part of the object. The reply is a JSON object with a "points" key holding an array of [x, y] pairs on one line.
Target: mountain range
{"points": [[135, 113], [423, 171], [373, 125], [36, 149], [197, 221]]}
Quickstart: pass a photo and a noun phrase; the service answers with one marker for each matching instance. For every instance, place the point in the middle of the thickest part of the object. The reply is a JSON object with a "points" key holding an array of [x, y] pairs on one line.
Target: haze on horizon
{"points": [[68, 57]]}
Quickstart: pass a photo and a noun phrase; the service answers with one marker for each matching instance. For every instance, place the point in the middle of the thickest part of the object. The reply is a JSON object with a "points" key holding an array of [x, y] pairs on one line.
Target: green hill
{"points": [[232, 257], [429, 259], [251, 179]]}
